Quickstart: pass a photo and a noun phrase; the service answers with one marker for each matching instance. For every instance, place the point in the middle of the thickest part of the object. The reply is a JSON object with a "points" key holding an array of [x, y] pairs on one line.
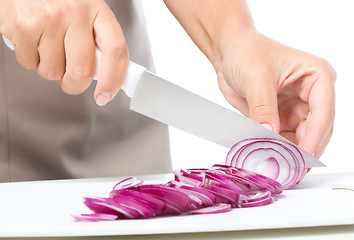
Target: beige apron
{"points": [[46, 134]]}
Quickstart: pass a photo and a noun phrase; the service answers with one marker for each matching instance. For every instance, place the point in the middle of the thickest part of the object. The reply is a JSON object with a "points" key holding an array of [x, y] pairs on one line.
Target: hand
{"points": [[290, 91], [58, 39]]}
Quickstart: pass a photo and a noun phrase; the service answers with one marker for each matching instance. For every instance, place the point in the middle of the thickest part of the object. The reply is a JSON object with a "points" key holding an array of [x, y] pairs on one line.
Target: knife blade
{"points": [[175, 106]]}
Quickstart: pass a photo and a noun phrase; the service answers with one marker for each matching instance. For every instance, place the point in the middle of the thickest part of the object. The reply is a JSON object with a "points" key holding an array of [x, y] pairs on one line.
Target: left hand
{"points": [[287, 90]]}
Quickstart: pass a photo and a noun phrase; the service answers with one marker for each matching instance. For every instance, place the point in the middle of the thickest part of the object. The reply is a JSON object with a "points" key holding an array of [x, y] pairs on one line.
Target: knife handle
{"points": [[134, 73]]}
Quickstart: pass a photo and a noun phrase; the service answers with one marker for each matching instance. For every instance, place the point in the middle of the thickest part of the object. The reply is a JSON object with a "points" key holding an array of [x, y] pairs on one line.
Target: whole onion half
{"points": [[276, 159]]}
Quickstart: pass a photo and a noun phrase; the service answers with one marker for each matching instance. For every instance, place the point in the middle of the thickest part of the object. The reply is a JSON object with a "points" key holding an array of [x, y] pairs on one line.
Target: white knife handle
{"points": [[135, 71]]}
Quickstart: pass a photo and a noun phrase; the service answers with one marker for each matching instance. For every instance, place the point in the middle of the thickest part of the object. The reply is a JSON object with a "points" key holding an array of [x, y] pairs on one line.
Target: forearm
{"points": [[212, 24]]}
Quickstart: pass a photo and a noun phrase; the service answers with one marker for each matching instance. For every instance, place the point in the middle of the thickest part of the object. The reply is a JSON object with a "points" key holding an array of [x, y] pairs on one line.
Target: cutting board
{"points": [[44, 209]]}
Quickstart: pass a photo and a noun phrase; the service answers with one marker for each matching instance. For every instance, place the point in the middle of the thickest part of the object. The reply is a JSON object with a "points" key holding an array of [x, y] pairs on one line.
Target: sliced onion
{"points": [[93, 204], [176, 201], [109, 206], [94, 217], [207, 199], [207, 178], [249, 180], [222, 193], [273, 158], [138, 206], [256, 196], [217, 208], [153, 203], [207, 191], [127, 183], [259, 203]]}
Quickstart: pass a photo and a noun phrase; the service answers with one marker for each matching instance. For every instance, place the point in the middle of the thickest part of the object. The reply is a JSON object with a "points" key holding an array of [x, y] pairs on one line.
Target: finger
{"points": [[318, 153], [322, 111], [52, 55], [324, 144], [114, 59], [26, 47], [80, 55], [261, 95]]}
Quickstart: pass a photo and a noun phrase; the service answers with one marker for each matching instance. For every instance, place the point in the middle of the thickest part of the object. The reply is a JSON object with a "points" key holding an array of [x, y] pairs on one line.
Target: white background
{"points": [[321, 27]]}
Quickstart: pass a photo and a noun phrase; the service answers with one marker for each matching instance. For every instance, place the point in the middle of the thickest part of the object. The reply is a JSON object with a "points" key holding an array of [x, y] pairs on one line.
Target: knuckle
{"points": [[69, 89], [81, 73], [44, 11], [26, 61], [29, 65], [49, 74], [24, 28], [119, 50], [257, 75], [324, 67], [53, 16], [260, 111], [71, 4], [77, 8]]}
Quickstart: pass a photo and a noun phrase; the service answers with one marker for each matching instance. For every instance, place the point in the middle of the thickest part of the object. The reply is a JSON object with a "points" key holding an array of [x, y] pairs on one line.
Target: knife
{"points": [[168, 103]]}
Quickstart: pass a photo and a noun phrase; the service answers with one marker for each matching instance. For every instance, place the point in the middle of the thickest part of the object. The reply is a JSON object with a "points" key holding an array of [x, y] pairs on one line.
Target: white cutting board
{"points": [[34, 209]]}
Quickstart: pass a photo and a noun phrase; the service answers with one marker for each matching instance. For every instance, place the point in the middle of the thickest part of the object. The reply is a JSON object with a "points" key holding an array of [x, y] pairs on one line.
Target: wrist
{"points": [[213, 25], [231, 38], [228, 29]]}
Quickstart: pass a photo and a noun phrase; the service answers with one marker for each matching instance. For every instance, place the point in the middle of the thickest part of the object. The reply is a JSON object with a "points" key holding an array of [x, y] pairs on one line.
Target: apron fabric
{"points": [[47, 134]]}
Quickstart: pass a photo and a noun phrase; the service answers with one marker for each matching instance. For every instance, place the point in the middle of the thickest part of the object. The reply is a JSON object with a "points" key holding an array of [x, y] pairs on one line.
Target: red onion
{"points": [[205, 198], [217, 208], [276, 159], [202, 191], [176, 201], [259, 203], [256, 171], [110, 206], [126, 183], [157, 205], [250, 180], [95, 217]]}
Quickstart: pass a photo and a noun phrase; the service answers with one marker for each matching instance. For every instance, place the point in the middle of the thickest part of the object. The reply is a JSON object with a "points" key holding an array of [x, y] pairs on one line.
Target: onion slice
{"points": [[94, 217], [275, 159], [149, 201], [176, 201], [127, 183], [217, 208]]}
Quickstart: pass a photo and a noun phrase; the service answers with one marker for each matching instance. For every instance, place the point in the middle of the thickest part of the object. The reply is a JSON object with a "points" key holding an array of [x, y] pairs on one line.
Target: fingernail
{"points": [[266, 125], [103, 98]]}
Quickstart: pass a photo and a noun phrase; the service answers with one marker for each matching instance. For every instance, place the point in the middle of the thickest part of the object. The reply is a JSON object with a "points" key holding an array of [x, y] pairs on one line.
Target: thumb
{"points": [[261, 96]]}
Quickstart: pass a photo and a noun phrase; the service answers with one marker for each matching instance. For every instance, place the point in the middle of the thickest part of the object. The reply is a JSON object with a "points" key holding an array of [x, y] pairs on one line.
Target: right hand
{"points": [[58, 39]]}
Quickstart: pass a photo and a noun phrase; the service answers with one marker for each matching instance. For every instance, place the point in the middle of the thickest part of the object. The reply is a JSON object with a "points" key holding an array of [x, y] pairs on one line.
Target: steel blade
{"points": [[177, 107]]}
